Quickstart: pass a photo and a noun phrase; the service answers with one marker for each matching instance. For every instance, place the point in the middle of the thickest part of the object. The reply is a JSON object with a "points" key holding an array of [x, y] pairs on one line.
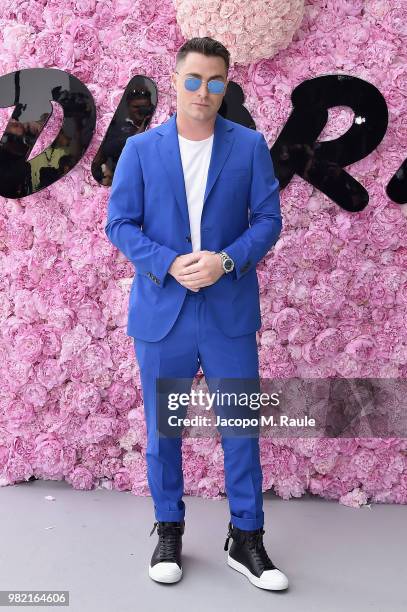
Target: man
{"points": [[138, 113], [191, 185]]}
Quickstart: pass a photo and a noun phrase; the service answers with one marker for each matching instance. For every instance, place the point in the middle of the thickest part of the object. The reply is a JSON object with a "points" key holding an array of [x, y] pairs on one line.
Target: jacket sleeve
{"points": [[125, 219], [265, 216]]}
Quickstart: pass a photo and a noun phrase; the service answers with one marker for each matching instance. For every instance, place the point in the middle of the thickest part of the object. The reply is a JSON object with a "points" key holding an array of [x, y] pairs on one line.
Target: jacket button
{"points": [[189, 239]]}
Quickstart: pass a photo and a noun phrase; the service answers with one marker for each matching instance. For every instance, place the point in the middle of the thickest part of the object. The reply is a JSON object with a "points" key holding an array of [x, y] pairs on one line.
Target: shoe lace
{"points": [[256, 545], [168, 537]]}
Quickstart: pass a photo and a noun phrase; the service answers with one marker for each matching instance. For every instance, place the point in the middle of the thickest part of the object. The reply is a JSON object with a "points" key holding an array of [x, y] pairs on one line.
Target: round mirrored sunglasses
{"points": [[192, 83]]}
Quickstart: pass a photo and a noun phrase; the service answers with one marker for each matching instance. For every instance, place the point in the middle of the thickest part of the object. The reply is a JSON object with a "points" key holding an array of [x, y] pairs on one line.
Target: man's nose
{"points": [[203, 90]]}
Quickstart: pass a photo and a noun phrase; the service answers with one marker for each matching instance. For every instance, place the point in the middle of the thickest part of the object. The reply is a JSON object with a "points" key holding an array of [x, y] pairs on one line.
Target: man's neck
{"points": [[194, 130]]}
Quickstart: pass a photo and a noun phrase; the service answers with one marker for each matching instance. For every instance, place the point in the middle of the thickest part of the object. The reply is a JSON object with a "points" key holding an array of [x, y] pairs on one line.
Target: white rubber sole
{"points": [[165, 572], [273, 580]]}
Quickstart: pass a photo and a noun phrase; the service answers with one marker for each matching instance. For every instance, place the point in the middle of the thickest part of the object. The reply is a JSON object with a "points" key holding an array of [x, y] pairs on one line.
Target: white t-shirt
{"points": [[195, 157]]}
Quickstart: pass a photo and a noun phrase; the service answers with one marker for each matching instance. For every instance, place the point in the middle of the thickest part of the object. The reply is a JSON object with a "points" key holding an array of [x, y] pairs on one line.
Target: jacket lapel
{"points": [[170, 157]]}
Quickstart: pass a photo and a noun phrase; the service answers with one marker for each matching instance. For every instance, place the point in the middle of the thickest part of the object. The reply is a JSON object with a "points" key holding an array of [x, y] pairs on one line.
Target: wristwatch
{"points": [[227, 262]]}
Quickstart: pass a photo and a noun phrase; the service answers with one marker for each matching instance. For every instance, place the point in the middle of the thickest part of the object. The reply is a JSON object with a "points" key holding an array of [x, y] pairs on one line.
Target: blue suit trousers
{"points": [[196, 340]]}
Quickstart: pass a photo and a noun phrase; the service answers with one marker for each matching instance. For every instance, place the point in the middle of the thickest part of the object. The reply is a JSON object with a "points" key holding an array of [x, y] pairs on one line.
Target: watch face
{"points": [[228, 265]]}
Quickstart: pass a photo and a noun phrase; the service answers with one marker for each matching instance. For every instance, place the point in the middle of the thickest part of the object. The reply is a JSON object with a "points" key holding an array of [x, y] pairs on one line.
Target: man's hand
{"points": [[197, 269]]}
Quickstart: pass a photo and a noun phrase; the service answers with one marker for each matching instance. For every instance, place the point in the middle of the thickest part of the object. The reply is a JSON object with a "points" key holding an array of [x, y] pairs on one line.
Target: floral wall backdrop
{"points": [[333, 289]]}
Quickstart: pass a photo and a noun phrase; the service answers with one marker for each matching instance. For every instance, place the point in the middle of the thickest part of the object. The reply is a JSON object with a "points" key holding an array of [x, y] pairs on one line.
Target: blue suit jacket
{"points": [[148, 221]]}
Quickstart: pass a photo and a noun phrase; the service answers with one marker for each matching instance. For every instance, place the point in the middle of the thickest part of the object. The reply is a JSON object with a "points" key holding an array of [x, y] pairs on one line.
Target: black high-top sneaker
{"points": [[165, 565], [248, 556]]}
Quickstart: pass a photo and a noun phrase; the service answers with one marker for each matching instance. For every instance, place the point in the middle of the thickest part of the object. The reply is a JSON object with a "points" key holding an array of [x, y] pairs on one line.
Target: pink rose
{"points": [[48, 454], [122, 396], [17, 469], [362, 348], [110, 465], [81, 478], [354, 499], [326, 300], [121, 480], [35, 394], [285, 321], [98, 428], [19, 414], [28, 345], [50, 373], [18, 39]]}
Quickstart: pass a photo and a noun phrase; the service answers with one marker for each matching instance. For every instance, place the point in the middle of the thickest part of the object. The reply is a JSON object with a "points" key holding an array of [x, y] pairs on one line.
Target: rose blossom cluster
{"points": [[333, 289]]}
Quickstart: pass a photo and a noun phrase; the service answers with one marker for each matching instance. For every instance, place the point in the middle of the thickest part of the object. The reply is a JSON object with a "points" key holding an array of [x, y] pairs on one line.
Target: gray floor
{"points": [[98, 548]]}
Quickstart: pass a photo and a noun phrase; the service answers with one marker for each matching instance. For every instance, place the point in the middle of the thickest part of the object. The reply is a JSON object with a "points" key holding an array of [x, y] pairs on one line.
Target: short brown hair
{"points": [[206, 46]]}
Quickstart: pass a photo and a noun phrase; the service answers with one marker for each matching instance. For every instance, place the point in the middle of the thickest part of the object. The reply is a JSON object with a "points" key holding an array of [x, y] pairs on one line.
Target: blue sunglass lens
{"points": [[192, 83], [216, 86]]}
